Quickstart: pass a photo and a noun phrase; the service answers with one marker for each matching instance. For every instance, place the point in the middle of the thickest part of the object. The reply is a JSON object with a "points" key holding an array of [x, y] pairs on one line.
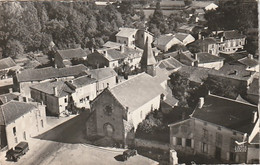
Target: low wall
{"points": [[151, 144]]}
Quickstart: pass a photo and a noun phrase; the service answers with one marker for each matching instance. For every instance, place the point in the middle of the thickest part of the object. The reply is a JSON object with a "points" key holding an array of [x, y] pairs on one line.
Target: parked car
{"points": [[128, 153], [19, 150]]}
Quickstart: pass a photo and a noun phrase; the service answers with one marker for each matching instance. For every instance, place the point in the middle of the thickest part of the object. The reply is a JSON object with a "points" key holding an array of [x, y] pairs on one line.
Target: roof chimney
{"points": [[199, 36], [221, 39], [10, 90], [254, 116], [235, 72], [55, 91], [201, 102], [196, 56], [250, 56], [122, 48], [105, 53]]}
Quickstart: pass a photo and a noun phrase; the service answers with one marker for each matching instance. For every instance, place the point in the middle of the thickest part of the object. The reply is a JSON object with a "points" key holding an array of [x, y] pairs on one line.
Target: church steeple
{"points": [[148, 61]]}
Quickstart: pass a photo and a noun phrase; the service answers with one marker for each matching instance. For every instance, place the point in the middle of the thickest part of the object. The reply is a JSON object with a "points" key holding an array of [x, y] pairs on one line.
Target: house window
{"points": [[178, 141], [205, 133], [14, 131], [24, 135], [124, 42], [81, 100], [142, 36], [65, 100], [232, 156], [133, 36], [218, 139], [15, 140], [188, 142], [42, 123], [87, 98], [204, 147]]}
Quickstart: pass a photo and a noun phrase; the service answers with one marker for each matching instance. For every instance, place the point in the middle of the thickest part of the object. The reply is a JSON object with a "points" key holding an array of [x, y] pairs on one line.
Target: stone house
{"points": [[133, 37], [85, 90], [6, 65], [55, 95], [230, 41], [114, 57], [165, 42], [20, 121], [63, 58], [105, 77], [208, 45], [234, 74], [117, 111], [219, 128], [24, 79], [185, 38]]}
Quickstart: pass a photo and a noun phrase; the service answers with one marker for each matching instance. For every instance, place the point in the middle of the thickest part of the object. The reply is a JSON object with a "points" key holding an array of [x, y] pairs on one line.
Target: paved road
{"points": [[63, 145]]}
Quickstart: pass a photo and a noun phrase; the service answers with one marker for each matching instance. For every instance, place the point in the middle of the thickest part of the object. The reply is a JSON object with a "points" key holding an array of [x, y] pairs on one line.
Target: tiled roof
{"points": [[47, 87], [181, 36], [164, 39], [112, 54], [232, 34], [248, 62], [227, 113], [126, 32], [206, 58], [110, 44], [82, 81], [187, 27], [229, 58], [13, 110], [171, 54], [4, 98], [233, 71], [201, 4], [254, 87], [172, 3], [72, 53], [6, 63], [136, 91], [169, 63], [48, 73], [195, 74], [102, 73]]}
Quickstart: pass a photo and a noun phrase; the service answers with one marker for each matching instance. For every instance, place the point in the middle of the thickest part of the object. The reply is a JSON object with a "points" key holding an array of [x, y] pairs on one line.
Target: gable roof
{"points": [[6, 63], [47, 87], [238, 72], [148, 57], [231, 34], [126, 32], [48, 73], [82, 81], [164, 39], [102, 73], [227, 113], [254, 87], [13, 110], [195, 74], [4, 98], [112, 54], [111, 44], [181, 36], [250, 62], [201, 4], [205, 57], [136, 91], [169, 63], [72, 53]]}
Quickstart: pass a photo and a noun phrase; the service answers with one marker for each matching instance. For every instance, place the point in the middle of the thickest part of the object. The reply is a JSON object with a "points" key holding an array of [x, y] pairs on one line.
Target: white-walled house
{"points": [[85, 90], [20, 121], [217, 129]]}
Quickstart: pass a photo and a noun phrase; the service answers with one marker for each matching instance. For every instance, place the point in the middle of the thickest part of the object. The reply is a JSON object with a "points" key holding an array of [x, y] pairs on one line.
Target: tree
{"points": [[14, 48]]}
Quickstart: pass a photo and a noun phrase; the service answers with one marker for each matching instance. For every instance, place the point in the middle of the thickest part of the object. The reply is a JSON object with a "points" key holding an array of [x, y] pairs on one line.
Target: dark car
{"points": [[17, 152], [128, 153]]}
